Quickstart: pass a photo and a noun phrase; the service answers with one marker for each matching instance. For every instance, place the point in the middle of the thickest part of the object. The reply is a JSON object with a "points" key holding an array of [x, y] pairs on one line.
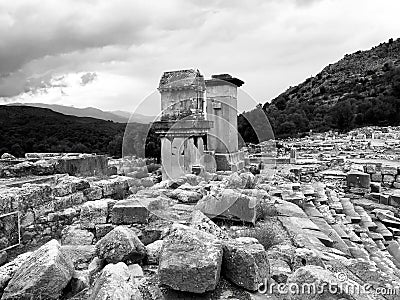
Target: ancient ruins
{"points": [[198, 125], [317, 218]]}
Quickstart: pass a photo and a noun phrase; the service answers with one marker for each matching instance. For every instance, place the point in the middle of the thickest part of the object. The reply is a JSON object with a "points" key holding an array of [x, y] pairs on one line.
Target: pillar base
{"points": [[230, 161]]}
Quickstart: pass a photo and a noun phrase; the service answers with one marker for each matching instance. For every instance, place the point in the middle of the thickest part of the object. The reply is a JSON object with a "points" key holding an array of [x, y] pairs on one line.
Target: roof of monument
{"points": [[181, 79]]}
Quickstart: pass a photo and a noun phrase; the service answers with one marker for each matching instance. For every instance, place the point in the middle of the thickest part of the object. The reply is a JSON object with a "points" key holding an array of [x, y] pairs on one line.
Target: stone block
{"points": [[92, 213], [377, 177], [375, 187], [245, 264], [358, 180], [120, 244], [389, 170], [370, 168], [93, 193], [69, 200], [44, 274], [395, 199], [114, 283], [388, 179], [131, 211], [190, 261], [80, 255], [230, 204], [185, 196], [396, 185], [8, 270], [74, 235], [153, 252]]}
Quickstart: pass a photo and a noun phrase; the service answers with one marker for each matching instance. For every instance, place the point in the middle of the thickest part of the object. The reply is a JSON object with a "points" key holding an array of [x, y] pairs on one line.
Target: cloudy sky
{"points": [[111, 54]]}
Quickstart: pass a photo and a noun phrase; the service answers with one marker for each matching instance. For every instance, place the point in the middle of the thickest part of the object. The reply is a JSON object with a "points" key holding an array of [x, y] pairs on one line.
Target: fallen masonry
{"points": [[329, 217]]}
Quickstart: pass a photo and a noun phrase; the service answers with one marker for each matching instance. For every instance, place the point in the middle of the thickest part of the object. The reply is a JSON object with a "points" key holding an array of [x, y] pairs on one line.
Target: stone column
{"points": [[166, 154]]}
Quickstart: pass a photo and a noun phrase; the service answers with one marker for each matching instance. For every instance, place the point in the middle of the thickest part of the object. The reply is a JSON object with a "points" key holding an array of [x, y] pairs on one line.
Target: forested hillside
{"points": [[31, 129], [361, 89]]}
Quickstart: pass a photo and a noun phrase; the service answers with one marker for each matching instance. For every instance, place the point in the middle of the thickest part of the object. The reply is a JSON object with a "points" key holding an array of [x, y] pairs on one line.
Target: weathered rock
{"points": [[370, 169], [234, 181], [120, 244], [279, 270], [70, 184], [389, 170], [389, 179], [93, 193], [80, 255], [79, 282], [102, 229], [74, 235], [315, 278], [248, 179], [132, 210], [7, 156], [43, 275], [114, 283], [377, 177], [153, 252], [8, 270], [92, 213], [358, 180], [304, 256], [95, 266], [245, 264], [190, 261], [185, 196], [201, 222], [135, 271], [146, 182], [230, 204]]}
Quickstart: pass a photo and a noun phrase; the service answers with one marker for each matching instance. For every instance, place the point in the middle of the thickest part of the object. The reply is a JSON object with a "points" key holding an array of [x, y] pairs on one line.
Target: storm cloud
{"points": [[269, 44]]}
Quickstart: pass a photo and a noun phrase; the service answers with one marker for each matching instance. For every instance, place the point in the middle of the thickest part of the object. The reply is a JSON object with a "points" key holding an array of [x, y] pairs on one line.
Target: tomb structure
{"points": [[221, 94], [198, 125]]}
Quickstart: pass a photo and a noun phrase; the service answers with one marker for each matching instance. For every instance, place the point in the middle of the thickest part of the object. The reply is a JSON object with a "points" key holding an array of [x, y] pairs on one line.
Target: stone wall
{"points": [[45, 209], [77, 165], [388, 176]]}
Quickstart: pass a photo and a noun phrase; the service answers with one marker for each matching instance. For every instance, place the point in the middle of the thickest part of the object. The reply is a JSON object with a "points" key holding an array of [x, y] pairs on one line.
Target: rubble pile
{"points": [[324, 220]]}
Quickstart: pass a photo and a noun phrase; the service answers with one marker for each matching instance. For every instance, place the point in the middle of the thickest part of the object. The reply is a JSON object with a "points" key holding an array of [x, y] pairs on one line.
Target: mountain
{"points": [[362, 89], [121, 117], [136, 117], [33, 129]]}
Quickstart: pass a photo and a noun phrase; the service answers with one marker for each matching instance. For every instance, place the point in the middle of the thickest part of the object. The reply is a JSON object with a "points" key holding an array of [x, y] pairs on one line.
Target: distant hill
{"points": [[32, 129], [136, 117], [361, 89], [117, 116]]}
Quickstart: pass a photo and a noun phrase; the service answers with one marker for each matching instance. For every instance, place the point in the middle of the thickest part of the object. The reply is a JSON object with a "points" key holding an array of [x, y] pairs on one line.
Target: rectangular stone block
{"points": [[93, 193], [92, 213], [376, 177], [370, 169], [231, 205], [131, 211], [395, 200], [388, 179], [358, 180], [68, 201], [389, 170]]}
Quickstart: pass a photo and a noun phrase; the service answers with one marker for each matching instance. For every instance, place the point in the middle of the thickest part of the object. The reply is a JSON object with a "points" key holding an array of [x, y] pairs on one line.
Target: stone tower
{"points": [[221, 93]]}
